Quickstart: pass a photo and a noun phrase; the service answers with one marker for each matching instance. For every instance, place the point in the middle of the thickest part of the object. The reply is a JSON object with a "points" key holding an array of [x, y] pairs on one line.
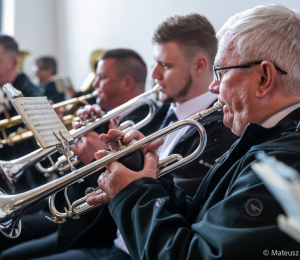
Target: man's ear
{"points": [[200, 64], [128, 83], [14, 62], [267, 79]]}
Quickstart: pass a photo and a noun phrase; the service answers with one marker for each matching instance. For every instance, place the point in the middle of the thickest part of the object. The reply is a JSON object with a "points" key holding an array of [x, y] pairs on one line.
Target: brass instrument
{"points": [[87, 84], [23, 134], [22, 56], [13, 206], [11, 170]]}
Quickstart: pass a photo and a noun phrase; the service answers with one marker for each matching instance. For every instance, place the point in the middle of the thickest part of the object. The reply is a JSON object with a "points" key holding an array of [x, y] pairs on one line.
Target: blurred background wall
{"points": [[71, 30]]}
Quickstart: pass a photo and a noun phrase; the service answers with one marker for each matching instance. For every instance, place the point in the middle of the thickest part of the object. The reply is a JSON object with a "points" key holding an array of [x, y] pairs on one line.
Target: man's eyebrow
{"points": [[218, 64]]}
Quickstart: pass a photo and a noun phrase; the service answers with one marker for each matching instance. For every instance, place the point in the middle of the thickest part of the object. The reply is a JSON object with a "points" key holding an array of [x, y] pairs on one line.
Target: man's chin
{"points": [[166, 100], [227, 122]]}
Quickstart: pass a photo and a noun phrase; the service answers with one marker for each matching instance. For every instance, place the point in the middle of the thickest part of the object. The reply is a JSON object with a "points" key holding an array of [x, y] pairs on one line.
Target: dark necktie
{"points": [[170, 117]]}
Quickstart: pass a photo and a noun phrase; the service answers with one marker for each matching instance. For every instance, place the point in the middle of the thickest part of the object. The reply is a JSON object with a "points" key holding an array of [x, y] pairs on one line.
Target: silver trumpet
{"points": [[13, 206], [12, 170]]}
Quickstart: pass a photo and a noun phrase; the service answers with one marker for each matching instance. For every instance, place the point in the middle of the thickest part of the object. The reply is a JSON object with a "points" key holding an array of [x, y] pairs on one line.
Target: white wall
{"points": [[72, 29], [35, 29]]}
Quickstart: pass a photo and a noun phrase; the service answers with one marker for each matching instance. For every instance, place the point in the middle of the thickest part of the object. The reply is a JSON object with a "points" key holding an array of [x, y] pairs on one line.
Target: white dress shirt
{"points": [[184, 111], [274, 119]]}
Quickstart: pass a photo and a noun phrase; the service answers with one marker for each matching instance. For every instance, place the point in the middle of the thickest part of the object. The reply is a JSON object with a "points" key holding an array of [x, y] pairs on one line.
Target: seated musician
{"points": [[9, 52], [232, 216], [46, 68]]}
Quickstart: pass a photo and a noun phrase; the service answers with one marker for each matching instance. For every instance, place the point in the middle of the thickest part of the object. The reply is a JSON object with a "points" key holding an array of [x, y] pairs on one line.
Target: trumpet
{"points": [[12, 170], [23, 134], [13, 206]]}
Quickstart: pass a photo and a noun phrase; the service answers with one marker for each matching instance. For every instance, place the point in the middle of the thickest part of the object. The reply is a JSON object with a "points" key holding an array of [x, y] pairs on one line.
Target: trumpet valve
{"points": [[110, 147], [89, 191], [121, 146]]}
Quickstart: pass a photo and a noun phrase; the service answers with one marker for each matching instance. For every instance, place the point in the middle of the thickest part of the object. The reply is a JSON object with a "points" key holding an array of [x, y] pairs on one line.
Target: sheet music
{"points": [[42, 120]]}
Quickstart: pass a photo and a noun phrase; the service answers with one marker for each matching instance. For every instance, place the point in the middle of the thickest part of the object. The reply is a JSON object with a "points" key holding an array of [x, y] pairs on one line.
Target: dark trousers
{"points": [[41, 249], [32, 249]]}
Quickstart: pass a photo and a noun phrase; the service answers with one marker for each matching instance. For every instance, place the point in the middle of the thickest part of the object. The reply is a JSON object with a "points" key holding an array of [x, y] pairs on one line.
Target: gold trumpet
{"points": [[13, 206], [23, 134]]}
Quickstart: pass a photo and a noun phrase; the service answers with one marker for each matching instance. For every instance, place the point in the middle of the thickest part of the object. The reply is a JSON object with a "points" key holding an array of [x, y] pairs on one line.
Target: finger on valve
{"points": [[114, 123]]}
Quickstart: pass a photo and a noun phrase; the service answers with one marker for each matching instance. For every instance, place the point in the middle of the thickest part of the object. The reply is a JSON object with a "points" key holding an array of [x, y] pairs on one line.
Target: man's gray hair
{"points": [[268, 32]]}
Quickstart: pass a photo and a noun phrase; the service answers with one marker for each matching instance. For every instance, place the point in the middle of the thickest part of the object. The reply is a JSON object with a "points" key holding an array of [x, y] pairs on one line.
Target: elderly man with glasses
{"points": [[232, 216]]}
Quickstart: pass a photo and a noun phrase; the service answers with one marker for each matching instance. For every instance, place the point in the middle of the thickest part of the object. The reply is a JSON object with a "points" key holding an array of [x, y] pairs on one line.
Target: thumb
{"points": [[98, 199], [150, 165]]}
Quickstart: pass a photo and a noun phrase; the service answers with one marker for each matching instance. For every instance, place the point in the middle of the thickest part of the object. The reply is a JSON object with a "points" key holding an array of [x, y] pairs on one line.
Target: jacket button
{"points": [[254, 207]]}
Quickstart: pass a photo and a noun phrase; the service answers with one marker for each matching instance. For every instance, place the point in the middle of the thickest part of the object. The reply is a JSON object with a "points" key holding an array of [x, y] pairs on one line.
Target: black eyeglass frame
{"points": [[243, 66]]}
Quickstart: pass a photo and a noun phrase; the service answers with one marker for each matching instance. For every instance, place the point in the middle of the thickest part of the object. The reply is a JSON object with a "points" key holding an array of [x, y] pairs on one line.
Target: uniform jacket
{"points": [[158, 221]]}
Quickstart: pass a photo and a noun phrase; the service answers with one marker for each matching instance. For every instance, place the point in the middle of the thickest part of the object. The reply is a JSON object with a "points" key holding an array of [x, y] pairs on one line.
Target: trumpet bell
{"points": [[9, 228]]}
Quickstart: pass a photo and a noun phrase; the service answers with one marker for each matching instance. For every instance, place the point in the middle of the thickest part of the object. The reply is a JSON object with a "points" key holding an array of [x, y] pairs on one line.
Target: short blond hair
{"points": [[193, 33]]}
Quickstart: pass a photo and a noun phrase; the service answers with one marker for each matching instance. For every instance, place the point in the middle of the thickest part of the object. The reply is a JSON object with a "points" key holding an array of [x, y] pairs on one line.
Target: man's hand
{"points": [[86, 113], [86, 146], [117, 175], [93, 111]]}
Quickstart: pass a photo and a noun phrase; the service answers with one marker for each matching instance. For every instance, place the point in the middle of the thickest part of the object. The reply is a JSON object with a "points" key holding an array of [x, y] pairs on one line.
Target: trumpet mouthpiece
{"points": [[157, 87], [218, 106]]}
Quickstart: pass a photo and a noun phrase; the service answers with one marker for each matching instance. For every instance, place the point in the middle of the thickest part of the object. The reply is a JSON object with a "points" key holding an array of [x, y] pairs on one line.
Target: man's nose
{"points": [[95, 83], [215, 87], [156, 73]]}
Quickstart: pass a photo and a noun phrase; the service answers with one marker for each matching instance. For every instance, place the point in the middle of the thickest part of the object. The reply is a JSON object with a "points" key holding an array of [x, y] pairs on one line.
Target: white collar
{"points": [[274, 119], [192, 106]]}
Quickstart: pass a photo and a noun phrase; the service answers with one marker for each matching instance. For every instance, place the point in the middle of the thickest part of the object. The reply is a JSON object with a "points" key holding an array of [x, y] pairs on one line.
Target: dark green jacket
{"points": [[158, 221]]}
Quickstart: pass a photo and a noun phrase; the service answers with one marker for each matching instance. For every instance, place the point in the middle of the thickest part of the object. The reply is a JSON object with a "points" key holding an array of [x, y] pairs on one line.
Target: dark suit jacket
{"points": [[20, 149], [51, 93], [7, 152]]}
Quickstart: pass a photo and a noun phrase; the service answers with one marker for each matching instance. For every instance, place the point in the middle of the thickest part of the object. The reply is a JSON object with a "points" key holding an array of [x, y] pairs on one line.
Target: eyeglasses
{"points": [[219, 73]]}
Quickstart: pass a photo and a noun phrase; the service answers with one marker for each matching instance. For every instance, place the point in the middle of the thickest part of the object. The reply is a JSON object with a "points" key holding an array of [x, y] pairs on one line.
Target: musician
{"points": [[121, 76], [232, 216], [8, 74], [46, 68], [9, 52]]}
